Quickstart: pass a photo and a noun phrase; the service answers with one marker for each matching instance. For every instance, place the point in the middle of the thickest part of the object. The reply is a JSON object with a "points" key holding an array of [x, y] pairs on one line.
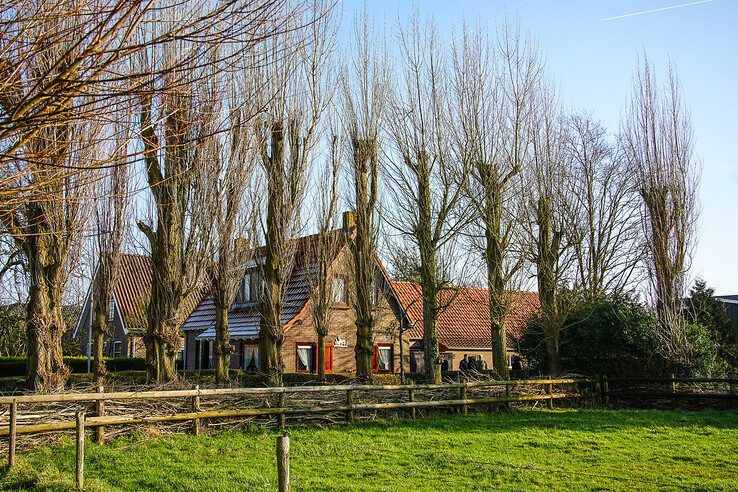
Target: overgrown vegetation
{"points": [[538, 450], [618, 336]]}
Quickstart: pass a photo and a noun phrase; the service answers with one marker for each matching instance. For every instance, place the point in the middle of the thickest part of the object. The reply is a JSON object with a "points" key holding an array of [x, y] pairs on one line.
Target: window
{"points": [[111, 308], [250, 290], [250, 357], [116, 348], [340, 292], [204, 354], [305, 357], [181, 353], [382, 361], [375, 291]]}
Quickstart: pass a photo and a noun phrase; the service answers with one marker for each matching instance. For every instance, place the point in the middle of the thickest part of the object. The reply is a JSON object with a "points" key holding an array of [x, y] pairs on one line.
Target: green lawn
{"points": [[519, 450]]}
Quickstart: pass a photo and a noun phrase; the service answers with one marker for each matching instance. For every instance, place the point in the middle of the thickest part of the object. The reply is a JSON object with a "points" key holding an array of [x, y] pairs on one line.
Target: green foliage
{"points": [[614, 335], [521, 450], [701, 308]]}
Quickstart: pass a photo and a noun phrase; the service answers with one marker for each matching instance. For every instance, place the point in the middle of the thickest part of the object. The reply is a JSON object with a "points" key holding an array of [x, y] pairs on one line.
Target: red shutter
{"points": [[375, 360], [329, 357]]}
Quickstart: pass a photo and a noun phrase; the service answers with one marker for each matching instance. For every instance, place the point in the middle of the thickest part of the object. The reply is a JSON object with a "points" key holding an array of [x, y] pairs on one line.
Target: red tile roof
{"points": [[133, 289], [465, 321]]}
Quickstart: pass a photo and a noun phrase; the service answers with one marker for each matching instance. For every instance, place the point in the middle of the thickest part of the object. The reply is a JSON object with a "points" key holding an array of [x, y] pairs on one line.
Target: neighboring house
{"points": [[299, 350], [731, 308], [127, 310], [463, 324]]}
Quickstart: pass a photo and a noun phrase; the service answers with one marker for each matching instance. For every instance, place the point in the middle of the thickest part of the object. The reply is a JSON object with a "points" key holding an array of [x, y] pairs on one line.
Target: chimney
{"points": [[349, 221]]}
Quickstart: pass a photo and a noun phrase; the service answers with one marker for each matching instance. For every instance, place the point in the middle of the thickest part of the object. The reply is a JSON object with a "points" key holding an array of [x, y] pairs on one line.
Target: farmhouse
{"points": [[463, 324], [127, 310], [299, 350]]}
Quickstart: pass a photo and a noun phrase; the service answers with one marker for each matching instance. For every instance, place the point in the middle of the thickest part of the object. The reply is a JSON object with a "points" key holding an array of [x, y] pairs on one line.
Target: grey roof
{"points": [[244, 320]]}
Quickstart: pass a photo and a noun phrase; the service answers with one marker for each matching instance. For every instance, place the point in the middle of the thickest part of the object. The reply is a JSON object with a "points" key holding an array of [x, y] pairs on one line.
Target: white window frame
{"points": [[117, 348], [390, 350], [111, 308], [339, 290], [311, 357]]}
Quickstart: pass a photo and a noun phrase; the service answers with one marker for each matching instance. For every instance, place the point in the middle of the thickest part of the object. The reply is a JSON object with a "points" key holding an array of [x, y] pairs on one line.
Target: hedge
{"points": [[16, 366]]}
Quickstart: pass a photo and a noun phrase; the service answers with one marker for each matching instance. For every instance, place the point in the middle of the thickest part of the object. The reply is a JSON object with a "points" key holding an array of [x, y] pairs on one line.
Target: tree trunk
{"points": [[496, 285], [428, 271], [46, 371], [364, 351], [99, 322], [222, 347], [271, 358], [552, 353], [321, 358]]}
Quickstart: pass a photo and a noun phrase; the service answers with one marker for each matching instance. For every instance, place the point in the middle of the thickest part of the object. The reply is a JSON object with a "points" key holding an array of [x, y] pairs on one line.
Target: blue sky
{"points": [[592, 60]]}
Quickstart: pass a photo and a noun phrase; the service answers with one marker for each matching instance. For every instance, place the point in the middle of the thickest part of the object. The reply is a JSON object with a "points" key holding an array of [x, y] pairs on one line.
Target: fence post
{"points": [[283, 462], [280, 417], [196, 408], [80, 449], [462, 396], [507, 395], [549, 391], [100, 410], [350, 403], [411, 399], [673, 390], [12, 436]]}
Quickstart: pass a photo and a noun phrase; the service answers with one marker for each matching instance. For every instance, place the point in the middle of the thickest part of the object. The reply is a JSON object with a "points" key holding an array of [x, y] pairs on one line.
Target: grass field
{"points": [[519, 450]]}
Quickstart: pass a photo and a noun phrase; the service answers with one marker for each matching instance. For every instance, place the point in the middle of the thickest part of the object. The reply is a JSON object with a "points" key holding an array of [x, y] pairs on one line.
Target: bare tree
{"points": [[426, 180], [179, 233], [111, 209], [658, 141], [493, 100], [64, 66], [604, 226], [296, 95], [548, 206], [233, 161], [365, 92], [324, 253]]}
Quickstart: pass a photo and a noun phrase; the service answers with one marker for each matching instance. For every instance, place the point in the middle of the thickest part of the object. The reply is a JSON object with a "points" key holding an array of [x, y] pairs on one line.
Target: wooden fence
{"points": [[403, 398]]}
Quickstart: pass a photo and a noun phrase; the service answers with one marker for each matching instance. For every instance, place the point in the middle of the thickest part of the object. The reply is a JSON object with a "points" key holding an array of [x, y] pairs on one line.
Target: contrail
{"points": [[655, 10]]}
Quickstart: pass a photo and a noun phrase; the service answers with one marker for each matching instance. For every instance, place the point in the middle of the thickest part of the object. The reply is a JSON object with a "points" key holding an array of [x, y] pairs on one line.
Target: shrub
{"points": [[16, 366], [614, 335]]}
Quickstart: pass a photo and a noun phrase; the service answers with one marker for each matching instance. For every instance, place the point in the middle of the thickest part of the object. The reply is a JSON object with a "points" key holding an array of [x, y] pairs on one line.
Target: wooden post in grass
{"points": [[196, 408], [549, 391], [673, 390], [100, 410], [462, 396], [411, 399], [350, 403], [12, 436], [283, 462], [280, 417], [80, 449], [507, 395]]}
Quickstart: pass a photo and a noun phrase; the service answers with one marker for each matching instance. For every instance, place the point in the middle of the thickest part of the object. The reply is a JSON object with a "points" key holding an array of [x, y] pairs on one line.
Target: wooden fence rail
{"points": [[596, 388]]}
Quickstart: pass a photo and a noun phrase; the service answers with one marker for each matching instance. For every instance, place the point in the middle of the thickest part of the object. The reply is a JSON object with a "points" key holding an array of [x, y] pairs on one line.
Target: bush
{"points": [[16, 366], [614, 335], [611, 335]]}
